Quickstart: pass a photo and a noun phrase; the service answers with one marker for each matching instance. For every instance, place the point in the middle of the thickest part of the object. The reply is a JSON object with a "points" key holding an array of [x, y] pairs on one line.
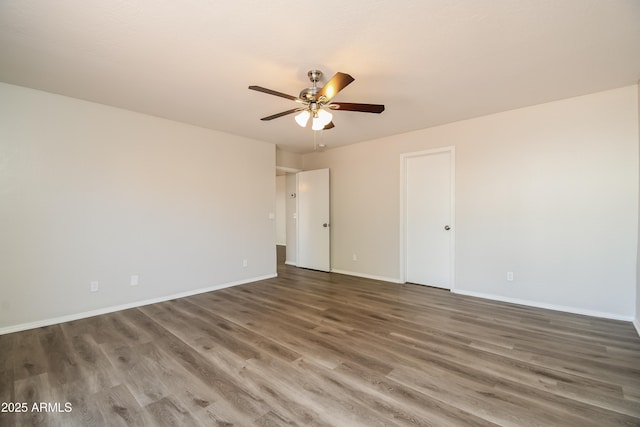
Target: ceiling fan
{"points": [[316, 101]]}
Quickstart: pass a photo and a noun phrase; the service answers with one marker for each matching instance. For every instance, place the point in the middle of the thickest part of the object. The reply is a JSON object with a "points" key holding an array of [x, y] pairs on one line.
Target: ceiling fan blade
{"points": [[284, 113], [273, 92], [364, 108], [328, 126], [338, 82]]}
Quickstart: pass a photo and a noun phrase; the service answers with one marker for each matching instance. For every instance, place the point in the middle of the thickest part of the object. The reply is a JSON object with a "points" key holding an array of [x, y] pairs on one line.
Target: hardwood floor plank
{"points": [[210, 374], [62, 366], [310, 348], [407, 403], [193, 326], [289, 335], [168, 374], [34, 388], [601, 393], [271, 419], [7, 350], [403, 329], [326, 395], [140, 375], [7, 390], [283, 397], [97, 372], [260, 343], [120, 408], [85, 410], [28, 356], [168, 412]]}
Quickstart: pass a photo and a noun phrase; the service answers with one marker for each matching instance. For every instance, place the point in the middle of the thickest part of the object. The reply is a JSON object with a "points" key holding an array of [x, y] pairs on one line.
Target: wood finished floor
{"points": [[315, 349]]}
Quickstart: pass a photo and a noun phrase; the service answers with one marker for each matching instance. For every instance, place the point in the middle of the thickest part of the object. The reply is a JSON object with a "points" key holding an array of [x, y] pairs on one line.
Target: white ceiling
{"points": [[429, 61]]}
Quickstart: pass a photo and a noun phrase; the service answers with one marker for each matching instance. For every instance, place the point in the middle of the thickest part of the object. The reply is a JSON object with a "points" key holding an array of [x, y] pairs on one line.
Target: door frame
{"points": [[403, 208]]}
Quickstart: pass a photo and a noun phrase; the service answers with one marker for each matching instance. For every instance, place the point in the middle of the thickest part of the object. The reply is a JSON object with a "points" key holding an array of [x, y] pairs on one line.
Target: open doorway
{"points": [[286, 239], [281, 210]]}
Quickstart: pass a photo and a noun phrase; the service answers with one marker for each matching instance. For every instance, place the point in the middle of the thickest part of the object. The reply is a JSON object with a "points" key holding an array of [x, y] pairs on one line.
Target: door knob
{"points": [[446, 227], [325, 225]]}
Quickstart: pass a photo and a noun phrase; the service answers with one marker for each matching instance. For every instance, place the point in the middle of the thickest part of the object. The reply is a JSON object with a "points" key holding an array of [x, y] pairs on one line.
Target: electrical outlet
{"points": [[509, 276], [354, 257], [245, 263], [94, 286], [134, 280]]}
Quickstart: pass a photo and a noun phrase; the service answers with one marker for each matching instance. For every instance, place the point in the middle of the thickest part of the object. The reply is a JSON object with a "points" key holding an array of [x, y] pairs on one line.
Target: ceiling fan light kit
{"points": [[317, 101]]}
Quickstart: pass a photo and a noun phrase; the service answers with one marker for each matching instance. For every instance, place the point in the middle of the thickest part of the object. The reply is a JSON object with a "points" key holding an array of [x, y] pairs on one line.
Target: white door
{"points": [[313, 220], [428, 218]]}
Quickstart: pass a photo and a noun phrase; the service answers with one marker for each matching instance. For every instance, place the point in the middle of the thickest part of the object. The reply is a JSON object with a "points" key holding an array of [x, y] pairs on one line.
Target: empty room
{"points": [[345, 213]]}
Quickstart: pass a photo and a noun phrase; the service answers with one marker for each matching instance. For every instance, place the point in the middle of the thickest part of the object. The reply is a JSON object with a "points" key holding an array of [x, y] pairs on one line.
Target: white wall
{"points": [[89, 192], [549, 192], [288, 160]]}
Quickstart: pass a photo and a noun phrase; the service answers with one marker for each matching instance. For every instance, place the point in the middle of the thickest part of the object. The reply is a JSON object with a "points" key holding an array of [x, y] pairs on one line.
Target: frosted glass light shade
{"points": [[324, 116], [317, 124], [303, 118]]}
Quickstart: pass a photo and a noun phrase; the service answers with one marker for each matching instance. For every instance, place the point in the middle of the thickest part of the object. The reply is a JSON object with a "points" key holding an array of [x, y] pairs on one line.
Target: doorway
{"points": [[286, 238], [428, 231]]}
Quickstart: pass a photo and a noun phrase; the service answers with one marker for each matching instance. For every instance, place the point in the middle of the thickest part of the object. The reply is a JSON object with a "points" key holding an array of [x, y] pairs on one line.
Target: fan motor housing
{"points": [[309, 94]]}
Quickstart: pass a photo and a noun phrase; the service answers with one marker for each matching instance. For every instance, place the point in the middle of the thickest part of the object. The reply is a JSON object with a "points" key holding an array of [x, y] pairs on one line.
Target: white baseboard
{"points": [[83, 315], [291, 263], [536, 304], [554, 307], [366, 276], [636, 323]]}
